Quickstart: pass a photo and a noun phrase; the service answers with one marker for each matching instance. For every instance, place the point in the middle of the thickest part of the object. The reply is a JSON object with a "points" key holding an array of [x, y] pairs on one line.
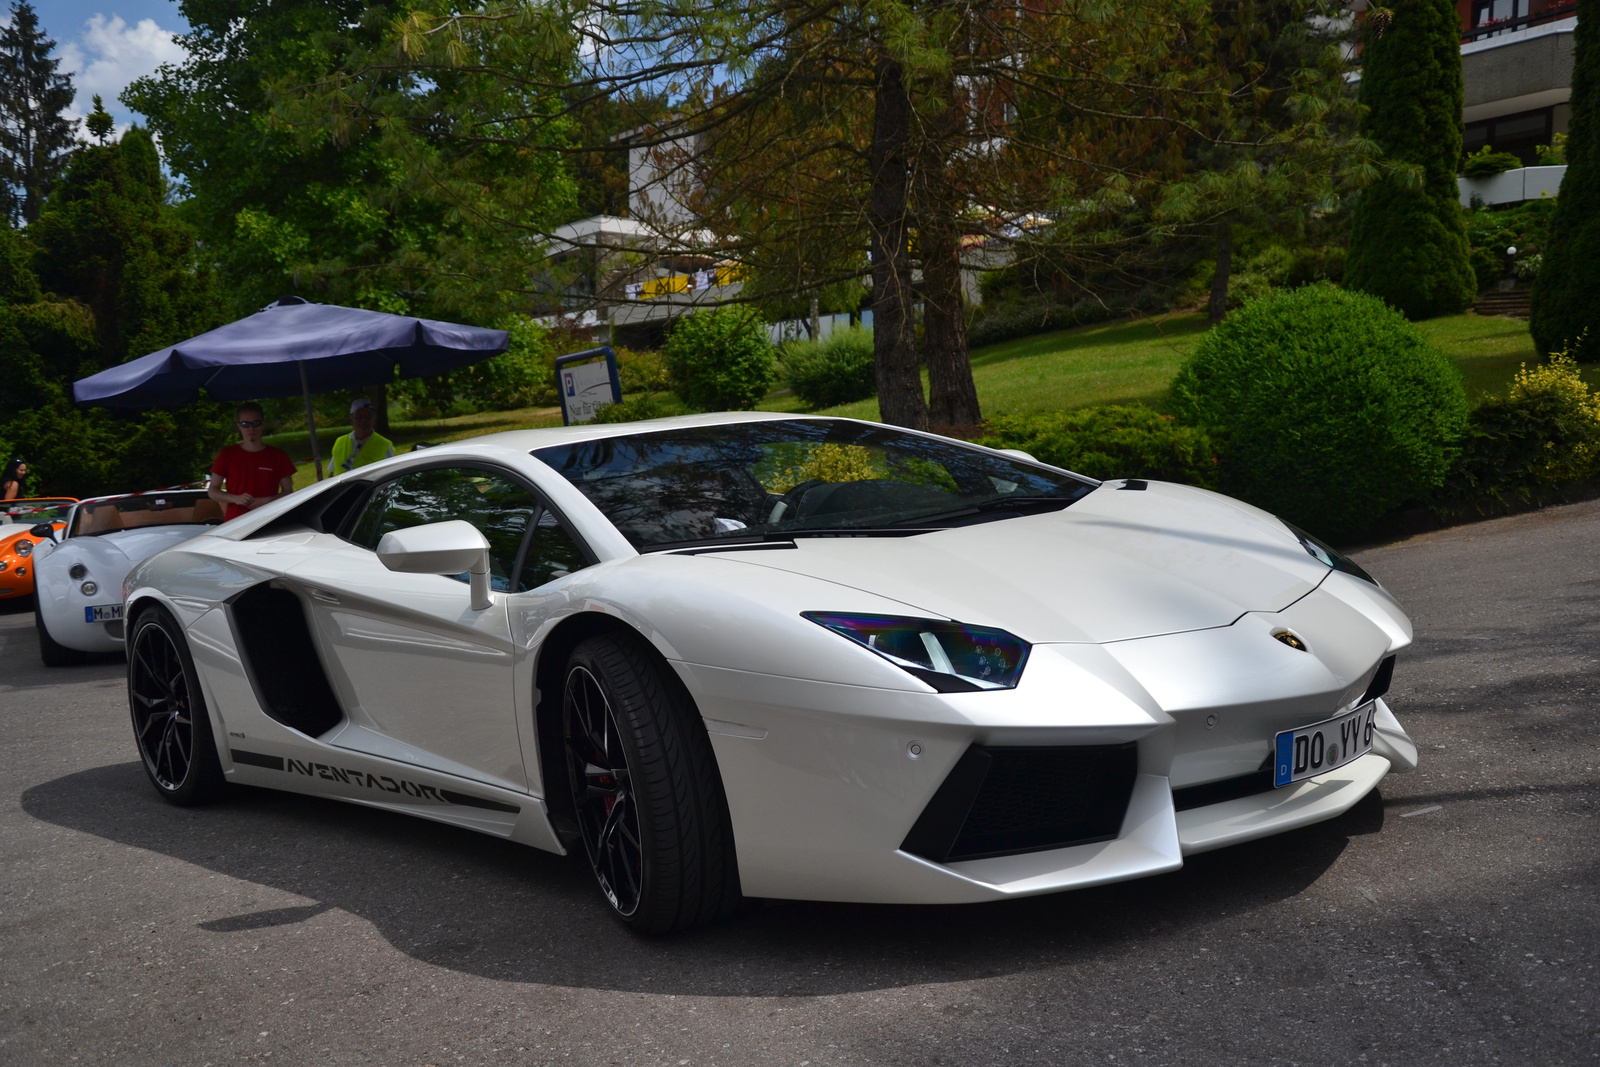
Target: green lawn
{"points": [[1108, 364], [1114, 364], [1137, 361]]}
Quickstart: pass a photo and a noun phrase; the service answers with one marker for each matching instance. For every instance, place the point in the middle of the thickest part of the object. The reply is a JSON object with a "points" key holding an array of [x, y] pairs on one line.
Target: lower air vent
{"points": [[1002, 801], [1201, 796]]}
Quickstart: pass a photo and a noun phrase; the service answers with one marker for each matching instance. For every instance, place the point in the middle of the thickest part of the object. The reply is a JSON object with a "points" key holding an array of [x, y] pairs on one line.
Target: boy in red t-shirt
{"points": [[253, 473]]}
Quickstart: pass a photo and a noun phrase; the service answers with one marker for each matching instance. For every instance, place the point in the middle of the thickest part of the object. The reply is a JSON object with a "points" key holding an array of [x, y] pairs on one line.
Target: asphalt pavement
{"points": [[1450, 918]]}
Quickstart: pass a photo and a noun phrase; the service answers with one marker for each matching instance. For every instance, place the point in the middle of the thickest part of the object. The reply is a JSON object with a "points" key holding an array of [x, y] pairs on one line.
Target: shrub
{"points": [[642, 406], [642, 371], [720, 360], [1486, 163], [1330, 407], [521, 376], [1112, 442], [1553, 154], [1487, 267], [835, 370], [1566, 313], [1547, 431], [1407, 244]]}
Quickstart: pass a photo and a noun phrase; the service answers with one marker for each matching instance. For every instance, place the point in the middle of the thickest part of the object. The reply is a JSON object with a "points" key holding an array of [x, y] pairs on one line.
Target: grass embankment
{"points": [[1136, 362], [1120, 363]]}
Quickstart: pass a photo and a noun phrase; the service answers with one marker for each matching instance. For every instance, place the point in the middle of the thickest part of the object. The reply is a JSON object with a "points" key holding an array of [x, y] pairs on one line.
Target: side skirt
{"points": [[358, 779]]}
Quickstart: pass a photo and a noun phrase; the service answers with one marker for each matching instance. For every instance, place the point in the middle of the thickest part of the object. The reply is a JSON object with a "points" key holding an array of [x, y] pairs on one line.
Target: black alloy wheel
{"points": [[645, 788], [608, 818], [170, 724]]}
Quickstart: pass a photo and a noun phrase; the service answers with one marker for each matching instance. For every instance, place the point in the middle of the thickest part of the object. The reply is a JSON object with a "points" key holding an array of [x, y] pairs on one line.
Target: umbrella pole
{"points": [[311, 421]]}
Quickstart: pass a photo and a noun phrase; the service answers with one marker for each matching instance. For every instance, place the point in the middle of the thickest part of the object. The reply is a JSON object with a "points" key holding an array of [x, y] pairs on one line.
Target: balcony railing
{"points": [[1495, 27]]}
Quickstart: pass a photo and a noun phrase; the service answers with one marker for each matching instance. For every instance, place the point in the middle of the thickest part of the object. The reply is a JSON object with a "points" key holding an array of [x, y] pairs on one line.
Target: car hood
{"points": [[127, 547], [1118, 564]]}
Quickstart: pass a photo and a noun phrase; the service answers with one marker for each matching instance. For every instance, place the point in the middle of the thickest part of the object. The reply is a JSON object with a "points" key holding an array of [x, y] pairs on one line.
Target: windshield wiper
{"points": [[1020, 502]]}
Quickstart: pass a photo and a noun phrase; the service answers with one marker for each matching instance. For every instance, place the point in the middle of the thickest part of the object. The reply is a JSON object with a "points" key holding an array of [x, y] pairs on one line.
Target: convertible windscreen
{"points": [[180, 508], [797, 476]]}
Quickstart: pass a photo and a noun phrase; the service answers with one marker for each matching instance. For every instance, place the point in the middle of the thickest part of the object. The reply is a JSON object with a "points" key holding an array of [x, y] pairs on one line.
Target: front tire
{"points": [[650, 806], [170, 724], [52, 652]]}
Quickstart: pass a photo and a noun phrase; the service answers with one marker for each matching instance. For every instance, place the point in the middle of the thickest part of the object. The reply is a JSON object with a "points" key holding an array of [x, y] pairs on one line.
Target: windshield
{"points": [[798, 476], [183, 508], [37, 510]]}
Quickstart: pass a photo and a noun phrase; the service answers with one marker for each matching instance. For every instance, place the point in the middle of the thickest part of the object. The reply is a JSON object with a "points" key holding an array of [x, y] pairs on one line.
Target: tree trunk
{"points": [[952, 396], [379, 395], [894, 335], [1219, 282]]}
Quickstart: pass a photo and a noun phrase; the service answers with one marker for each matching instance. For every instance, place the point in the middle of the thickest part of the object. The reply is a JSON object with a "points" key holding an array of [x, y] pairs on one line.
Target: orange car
{"points": [[17, 518]]}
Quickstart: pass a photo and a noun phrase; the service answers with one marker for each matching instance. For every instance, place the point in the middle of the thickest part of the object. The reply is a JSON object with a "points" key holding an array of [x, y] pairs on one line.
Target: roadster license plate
{"points": [[105, 613], [1323, 746]]}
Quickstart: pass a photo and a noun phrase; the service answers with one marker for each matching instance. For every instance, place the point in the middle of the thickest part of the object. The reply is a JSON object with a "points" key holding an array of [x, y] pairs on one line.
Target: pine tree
{"points": [[100, 123], [36, 136], [1566, 296], [1408, 239]]}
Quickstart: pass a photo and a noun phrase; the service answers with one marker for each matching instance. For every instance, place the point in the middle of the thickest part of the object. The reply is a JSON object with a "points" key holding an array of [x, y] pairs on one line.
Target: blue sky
{"points": [[108, 43]]}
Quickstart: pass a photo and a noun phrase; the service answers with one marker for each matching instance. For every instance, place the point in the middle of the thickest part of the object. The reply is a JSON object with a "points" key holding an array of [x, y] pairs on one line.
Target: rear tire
{"points": [[52, 652], [651, 811], [170, 725]]}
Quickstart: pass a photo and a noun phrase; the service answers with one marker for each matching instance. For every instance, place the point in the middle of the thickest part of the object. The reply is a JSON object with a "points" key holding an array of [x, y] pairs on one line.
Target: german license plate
{"points": [[104, 613], [1323, 746]]}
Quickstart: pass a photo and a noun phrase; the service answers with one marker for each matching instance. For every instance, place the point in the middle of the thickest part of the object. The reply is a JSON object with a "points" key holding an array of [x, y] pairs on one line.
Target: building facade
{"points": [[1516, 67]]}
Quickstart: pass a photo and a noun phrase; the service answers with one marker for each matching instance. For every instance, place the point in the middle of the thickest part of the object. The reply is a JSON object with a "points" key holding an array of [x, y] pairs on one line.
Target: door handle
{"points": [[326, 598]]}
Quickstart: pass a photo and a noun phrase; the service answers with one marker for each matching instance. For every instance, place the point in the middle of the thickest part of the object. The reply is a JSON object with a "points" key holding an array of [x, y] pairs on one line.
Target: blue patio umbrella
{"points": [[286, 348]]}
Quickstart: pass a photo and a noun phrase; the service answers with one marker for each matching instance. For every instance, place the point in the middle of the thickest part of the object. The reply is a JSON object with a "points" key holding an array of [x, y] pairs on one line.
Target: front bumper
{"points": [[825, 781]]}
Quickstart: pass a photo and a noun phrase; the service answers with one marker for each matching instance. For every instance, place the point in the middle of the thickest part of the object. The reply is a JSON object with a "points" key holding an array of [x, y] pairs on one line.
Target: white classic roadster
{"points": [[78, 578], [774, 656]]}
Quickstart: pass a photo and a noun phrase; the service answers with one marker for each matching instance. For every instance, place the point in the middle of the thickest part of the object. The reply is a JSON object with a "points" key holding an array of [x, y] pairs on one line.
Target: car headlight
{"points": [[89, 588], [1325, 553], [951, 657], [76, 571], [24, 547]]}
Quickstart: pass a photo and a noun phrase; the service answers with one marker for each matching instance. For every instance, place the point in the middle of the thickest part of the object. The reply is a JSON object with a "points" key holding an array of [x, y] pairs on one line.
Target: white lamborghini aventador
{"points": [[774, 656]]}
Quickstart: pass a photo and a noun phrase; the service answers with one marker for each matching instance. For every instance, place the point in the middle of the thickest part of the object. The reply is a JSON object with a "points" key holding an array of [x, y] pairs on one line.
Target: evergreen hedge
{"points": [[1330, 408], [1112, 441], [1566, 296], [1408, 243]]}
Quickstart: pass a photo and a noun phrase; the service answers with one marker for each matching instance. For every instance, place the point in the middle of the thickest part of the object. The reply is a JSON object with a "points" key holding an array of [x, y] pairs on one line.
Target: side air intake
{"points": [[1002, 801], [281, 660]]}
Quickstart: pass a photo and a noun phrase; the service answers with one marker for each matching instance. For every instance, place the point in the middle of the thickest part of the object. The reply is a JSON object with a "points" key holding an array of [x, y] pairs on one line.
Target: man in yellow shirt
{"points": [[361, 445]]}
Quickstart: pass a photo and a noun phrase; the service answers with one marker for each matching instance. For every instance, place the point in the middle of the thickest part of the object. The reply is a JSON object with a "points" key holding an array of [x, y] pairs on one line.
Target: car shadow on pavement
{"points": [[487, 907]]}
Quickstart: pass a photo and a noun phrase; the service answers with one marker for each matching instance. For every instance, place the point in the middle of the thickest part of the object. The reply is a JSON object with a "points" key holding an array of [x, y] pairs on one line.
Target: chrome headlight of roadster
{"points": [[24, 547], [951, 657]]}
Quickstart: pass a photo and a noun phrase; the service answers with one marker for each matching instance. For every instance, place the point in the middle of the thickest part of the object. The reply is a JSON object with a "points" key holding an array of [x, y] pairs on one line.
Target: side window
{"points": [[552, 553], [496, 505], [364, 532]]}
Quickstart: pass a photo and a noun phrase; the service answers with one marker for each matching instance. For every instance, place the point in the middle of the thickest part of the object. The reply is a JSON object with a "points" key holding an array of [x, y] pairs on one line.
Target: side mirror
{"points": [[44, 529], [441, 548]]}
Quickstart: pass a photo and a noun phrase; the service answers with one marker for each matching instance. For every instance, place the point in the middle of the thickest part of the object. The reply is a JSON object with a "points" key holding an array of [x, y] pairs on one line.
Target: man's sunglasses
{"points": [[250, 424]]}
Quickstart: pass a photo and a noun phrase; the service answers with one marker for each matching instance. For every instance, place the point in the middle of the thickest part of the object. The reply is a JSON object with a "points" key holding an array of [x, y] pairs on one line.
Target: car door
{"points": [[423, 677]]}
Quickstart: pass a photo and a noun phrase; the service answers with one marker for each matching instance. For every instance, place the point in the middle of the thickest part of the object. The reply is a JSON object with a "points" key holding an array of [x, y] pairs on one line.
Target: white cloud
{"points": [[109, 54]]}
